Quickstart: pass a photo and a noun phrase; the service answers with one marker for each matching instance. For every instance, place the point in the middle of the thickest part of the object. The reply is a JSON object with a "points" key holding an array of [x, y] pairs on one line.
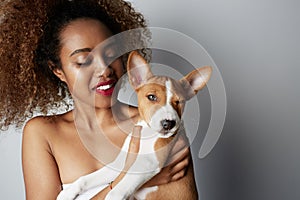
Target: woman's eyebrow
{"points": [[80, 51]]}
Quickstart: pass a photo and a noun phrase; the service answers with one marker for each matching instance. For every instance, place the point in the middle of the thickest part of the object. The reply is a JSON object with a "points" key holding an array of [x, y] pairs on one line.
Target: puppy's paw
{"points": [[113, 195], [66, 195], [72, 191]]}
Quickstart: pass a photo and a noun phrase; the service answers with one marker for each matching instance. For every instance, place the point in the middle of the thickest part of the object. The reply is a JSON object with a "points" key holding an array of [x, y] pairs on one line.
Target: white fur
{"points": [[169, 93], [142, 193]]}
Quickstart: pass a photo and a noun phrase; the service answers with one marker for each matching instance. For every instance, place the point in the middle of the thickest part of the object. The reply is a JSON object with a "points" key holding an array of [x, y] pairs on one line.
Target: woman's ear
{"points": [[58, 72]]}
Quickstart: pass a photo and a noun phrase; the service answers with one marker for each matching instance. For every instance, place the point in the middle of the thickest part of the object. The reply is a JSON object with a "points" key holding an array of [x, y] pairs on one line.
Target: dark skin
{"points": [[52, 148]]}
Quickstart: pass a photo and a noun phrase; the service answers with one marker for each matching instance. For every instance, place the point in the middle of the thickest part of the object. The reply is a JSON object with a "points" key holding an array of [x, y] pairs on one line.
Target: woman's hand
{"points": [[176, 165]]}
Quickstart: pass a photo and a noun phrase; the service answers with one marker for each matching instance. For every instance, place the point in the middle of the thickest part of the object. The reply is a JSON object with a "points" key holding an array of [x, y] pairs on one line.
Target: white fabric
{"points": [[89, 193]]}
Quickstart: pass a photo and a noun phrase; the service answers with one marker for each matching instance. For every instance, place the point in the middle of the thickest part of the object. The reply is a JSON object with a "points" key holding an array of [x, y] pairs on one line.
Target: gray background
{"points": [[255, 45]]}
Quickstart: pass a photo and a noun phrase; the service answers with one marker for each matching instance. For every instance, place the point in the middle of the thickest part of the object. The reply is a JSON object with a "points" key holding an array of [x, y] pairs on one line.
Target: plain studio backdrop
{"points": [[255, 45]]}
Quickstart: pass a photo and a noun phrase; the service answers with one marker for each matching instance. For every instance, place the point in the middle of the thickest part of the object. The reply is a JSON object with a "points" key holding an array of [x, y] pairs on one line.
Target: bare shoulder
{"points": [[41, 127], [39, 124], [35, 134]]}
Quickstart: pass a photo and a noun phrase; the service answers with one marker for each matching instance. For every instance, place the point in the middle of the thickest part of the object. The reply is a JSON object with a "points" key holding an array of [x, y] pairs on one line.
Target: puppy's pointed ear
{"points": [[138, 70], [196, 80]]}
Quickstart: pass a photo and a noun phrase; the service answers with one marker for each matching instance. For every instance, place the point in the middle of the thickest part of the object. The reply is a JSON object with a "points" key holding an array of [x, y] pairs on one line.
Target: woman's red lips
{"points": [[106, 88]]}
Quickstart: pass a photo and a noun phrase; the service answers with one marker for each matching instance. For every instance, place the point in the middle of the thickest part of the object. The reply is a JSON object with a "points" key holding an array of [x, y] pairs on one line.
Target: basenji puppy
{"points": [[161, 102]]}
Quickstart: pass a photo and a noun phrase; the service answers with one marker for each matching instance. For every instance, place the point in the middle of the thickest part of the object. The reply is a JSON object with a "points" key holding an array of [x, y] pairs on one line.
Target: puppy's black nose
{"points": [[168, 124]]}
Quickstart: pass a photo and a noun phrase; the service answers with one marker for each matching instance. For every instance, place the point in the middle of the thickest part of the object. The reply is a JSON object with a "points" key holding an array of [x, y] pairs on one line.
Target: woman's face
{"points": [[87, 65]]}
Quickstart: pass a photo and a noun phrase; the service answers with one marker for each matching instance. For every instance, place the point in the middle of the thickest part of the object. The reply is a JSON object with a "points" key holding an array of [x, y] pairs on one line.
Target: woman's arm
{"points": [[177, 164], [40, 171]]}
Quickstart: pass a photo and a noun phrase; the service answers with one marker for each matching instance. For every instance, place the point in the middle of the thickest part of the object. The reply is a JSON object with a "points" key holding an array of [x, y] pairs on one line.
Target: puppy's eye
{"points": [[152, 97]]}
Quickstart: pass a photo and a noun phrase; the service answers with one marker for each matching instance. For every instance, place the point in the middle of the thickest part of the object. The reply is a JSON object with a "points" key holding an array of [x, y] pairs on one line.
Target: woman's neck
{"points": [[91, 118]]}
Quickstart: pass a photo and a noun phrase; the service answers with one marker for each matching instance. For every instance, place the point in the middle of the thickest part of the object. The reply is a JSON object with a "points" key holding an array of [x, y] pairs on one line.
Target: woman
{"points": [[46, 50]]}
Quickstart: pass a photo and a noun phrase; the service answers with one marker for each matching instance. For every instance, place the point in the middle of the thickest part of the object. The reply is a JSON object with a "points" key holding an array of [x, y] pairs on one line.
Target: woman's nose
{"points": [[106, 71]]}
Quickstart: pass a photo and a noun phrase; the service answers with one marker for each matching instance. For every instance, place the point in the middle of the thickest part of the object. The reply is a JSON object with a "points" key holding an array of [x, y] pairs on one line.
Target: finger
{"points": [[180, 155], [178, 176], [180, 166], [134, 147]]}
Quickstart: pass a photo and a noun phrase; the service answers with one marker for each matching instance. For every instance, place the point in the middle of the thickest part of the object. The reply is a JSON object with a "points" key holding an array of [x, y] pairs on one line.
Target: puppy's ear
{"points": [[196, 80], [138, 70]]}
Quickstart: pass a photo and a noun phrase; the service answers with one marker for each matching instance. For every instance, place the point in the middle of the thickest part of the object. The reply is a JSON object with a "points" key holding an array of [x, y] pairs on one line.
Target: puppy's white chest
{"points": [[147, 139]]}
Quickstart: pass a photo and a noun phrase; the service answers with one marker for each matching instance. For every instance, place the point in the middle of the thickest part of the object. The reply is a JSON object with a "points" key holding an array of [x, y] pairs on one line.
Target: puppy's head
{"points": [[161, 99]]}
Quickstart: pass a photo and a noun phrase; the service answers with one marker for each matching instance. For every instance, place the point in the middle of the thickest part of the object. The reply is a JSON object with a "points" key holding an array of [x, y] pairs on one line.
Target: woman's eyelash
{"points": [[107, 55], [85, 63]]}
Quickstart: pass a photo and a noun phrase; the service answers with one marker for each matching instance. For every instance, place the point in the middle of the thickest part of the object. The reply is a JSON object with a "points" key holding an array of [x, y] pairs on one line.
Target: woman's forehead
{"points": [[84, 33]]}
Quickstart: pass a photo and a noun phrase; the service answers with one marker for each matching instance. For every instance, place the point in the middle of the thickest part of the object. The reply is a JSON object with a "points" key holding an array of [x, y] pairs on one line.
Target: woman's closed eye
{"points": [[88, 61]]}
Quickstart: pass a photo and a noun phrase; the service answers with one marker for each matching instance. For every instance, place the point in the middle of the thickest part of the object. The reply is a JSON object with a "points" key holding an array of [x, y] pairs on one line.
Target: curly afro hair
{"points": [[29, 39]]}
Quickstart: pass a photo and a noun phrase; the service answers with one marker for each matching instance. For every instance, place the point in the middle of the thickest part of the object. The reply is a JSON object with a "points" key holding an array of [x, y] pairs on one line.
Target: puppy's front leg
{"points": [[100, 177], [142, 170]]}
